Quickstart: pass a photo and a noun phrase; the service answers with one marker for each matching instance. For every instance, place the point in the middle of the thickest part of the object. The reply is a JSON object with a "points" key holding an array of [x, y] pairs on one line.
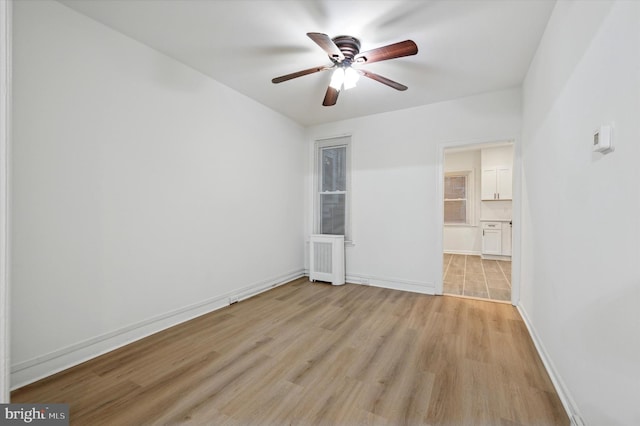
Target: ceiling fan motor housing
{"points": [[349, 46]]}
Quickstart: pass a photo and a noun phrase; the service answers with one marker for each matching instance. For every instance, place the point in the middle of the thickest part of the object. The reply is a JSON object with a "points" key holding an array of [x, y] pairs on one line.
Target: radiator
{"points": [[327, 258]]}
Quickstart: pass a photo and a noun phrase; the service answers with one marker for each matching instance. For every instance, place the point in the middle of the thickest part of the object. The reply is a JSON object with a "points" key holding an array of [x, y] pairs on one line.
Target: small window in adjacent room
{"points": [[332, 186], [456, 199]]}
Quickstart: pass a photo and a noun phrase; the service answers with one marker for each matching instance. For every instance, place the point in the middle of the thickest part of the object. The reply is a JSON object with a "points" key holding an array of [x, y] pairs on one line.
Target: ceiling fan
{"points": [[344, 52]]}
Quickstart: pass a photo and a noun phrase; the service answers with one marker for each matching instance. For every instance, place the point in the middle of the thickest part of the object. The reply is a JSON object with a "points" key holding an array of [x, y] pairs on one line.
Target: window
{"points": [[457, 203], [333, 181]]}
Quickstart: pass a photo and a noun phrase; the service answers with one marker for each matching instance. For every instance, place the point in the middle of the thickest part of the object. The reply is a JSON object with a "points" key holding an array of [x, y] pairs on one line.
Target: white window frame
{"points": [[332, 143], [470, 199]]}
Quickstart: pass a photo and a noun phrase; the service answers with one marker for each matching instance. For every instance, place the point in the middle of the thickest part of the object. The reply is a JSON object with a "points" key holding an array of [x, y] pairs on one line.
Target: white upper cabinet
{"points": [[504, 183], [497, 173], [489, 190]]}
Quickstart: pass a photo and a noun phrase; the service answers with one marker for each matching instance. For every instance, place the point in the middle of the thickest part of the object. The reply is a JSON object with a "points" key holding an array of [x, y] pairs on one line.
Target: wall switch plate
{"points": [[602, 139]]}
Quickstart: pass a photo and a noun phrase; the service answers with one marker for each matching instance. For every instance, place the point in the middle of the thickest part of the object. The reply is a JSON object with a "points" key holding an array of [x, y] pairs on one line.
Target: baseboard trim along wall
{"points": [[390, 283], [43, 366], [393, 283], [564, 394], [465, 252]]}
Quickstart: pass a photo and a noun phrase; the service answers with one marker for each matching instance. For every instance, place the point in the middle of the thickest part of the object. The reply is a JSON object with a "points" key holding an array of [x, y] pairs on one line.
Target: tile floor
{"points": [[472, 276]]}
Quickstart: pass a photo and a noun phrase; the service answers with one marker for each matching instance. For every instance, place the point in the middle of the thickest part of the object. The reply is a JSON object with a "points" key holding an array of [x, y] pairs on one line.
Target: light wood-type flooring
{"points": [[316, 354], [472, 276]]}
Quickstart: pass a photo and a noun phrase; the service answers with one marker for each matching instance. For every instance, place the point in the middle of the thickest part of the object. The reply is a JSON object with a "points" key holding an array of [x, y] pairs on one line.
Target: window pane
{"points": [[334, 169], [332, 214], [455, 211], [455, 187]]}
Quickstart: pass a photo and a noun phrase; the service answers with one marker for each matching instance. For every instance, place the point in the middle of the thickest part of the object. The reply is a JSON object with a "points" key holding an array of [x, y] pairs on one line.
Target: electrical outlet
{"points": [[233, 299], [364, 281]]}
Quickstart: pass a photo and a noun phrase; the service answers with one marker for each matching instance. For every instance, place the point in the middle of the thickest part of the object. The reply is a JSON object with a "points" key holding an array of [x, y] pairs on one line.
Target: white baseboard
{"points": [[495, 257], [390, 283], [465, 252], [40, 367], [563, 392]]}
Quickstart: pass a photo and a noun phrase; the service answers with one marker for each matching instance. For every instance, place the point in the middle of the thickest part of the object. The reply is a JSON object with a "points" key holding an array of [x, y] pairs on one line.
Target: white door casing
{"points": [[5, 138]]}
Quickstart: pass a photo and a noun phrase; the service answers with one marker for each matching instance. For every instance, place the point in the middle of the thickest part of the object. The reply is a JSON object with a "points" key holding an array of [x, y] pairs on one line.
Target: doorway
{"points": [[477, 199]]}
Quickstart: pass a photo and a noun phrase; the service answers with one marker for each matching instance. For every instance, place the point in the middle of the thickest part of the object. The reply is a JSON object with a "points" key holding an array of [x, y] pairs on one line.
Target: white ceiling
{"points": [[465, 47]]}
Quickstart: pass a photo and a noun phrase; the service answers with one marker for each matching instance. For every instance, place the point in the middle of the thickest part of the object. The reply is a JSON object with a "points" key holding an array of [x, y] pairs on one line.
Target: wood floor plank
{"points": [[312, 353]]}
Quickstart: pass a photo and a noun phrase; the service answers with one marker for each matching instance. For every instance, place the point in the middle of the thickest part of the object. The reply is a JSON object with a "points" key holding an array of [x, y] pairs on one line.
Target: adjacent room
{"points": [[321, 212], [478, 211]]}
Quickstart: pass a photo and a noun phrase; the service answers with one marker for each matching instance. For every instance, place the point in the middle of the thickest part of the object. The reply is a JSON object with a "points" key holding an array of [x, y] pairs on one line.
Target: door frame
{"points": [[5, 143], [515, 213]]}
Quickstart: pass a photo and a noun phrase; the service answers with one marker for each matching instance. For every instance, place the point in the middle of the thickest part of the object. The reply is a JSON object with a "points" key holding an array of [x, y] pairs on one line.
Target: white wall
{"points": [[580, 283], [395, 163], [143, 191], [465, 239]]}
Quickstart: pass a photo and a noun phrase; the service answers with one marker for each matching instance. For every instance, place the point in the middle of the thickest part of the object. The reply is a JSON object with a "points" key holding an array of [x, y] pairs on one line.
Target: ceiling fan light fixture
{"points": [[351, 77], [337, 78]]}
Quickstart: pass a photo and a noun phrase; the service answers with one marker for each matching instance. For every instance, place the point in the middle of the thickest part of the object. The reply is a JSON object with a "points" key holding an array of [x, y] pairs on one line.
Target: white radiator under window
{"points": [[327, 258]]}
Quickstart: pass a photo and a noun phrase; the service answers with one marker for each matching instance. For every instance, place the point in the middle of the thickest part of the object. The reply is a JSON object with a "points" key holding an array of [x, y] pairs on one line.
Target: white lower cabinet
{"points": [[492, 238], [496, 238]]}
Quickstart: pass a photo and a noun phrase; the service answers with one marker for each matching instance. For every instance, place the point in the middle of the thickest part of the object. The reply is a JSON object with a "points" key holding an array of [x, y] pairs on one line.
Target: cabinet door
{"points": [[504, 183], [492, 241], [488, 184]]}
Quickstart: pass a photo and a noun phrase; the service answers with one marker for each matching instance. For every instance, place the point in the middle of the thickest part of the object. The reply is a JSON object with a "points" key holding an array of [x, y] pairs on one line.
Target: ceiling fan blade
{"points": [[383, 80], [396, 50], [331, 97], [299, 74], [325, 42]]}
